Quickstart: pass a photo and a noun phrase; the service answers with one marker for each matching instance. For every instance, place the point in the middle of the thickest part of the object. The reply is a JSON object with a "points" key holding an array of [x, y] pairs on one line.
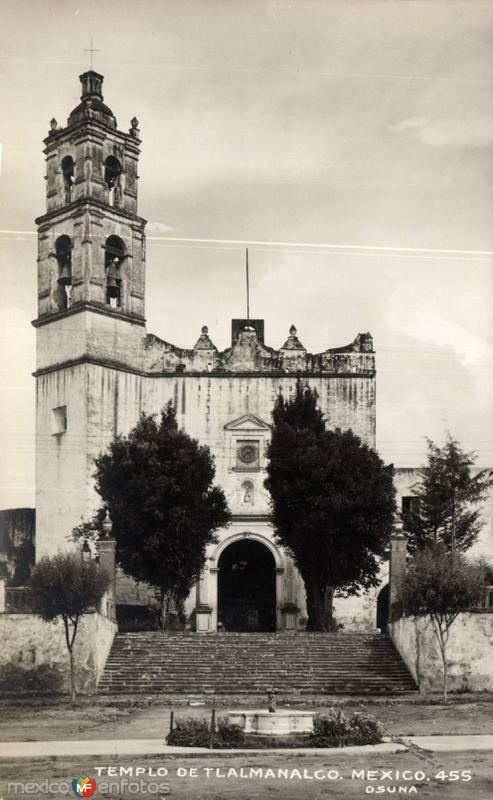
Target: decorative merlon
{"points": [[204, 342], [292, 342]]}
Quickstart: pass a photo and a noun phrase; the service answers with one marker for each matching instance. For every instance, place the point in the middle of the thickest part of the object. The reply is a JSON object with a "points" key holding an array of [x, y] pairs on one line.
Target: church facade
{"points": [[98, 369]]}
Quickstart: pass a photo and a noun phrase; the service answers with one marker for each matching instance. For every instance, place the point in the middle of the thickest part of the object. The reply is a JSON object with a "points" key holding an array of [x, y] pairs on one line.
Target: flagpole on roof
{"points": [[247, 286]]}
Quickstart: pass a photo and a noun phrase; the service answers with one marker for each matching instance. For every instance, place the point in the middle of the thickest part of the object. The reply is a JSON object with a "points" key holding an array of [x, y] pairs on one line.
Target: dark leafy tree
{"points": [[24, 561], [440, 585], [333, 503], [157, 484], [65, 586], [446, 496]]}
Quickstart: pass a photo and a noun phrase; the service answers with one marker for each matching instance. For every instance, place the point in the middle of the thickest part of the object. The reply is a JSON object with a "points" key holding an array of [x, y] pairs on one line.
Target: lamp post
{"points": [[86, 552], [107, 525]]}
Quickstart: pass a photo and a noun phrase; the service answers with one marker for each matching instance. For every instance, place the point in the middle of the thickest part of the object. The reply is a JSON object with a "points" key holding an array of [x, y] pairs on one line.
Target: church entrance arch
{"points": [[247, 587]]}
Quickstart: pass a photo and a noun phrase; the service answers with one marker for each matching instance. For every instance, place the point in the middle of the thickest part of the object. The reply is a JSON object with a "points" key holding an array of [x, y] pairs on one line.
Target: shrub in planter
{"points": [[365, 730], [228, 735], [335, 729], [190, 732]]}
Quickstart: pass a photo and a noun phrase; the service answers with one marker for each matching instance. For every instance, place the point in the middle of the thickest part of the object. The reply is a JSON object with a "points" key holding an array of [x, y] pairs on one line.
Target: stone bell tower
{"points": [[91, 271], [91, 241]]}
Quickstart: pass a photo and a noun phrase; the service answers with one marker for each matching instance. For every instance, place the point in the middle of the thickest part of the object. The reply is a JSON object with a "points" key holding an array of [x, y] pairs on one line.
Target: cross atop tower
{"points": [[92, 50]]}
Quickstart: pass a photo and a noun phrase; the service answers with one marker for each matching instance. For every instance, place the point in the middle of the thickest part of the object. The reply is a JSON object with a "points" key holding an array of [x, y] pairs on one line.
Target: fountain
{"points": [[273, 721]]}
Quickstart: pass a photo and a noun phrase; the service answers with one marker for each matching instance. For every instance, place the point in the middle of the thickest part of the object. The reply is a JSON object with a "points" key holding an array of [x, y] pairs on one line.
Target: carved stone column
{"points": [[3, 595], [203, 611], [107, 562]]}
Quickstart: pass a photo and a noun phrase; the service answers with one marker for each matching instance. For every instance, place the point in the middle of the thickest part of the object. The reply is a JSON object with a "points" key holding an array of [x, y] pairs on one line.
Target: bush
{"points": [[136, 618], [336, 730], [191, 732], [229, 735]]}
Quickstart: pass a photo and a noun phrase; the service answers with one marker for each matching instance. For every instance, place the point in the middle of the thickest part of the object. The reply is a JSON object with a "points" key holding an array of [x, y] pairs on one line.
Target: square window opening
{"points": [[58, 420]]}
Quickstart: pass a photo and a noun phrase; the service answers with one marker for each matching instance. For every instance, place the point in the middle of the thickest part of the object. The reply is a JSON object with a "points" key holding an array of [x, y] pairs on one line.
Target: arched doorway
{"points": [[247, 587], [383, 608]]}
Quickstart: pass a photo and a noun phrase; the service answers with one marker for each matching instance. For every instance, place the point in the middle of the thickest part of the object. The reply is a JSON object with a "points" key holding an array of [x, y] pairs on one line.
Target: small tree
{"points": [[66, 586], [332, 501], [157, 484], [446, 495], [440, 586]]}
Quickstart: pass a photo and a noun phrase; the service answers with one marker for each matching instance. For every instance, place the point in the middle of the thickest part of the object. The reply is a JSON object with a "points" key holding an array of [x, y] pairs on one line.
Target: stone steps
{"points": [[250, 663]]}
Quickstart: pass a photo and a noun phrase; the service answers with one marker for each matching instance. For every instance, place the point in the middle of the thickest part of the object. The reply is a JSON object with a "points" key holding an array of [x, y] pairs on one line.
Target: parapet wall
{"points": [[29, 643], [249, 354], [469, 649]]}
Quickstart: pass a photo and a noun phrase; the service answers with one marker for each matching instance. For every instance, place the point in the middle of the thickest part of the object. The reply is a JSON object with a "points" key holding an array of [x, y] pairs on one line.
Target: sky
{"points": [[348, 144]]}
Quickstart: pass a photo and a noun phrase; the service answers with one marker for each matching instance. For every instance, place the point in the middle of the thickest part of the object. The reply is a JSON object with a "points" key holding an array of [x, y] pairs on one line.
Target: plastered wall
{"points": [[28, 642], [470, 665]]}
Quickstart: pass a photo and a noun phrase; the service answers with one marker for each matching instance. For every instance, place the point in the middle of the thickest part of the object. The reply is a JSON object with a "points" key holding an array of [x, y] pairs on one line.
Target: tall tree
{"points": [[447, 494], [66, 586], [441, 585], [157, 484], [333, 503]]}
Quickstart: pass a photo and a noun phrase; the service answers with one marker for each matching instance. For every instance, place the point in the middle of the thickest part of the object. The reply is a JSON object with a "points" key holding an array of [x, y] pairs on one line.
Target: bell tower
{"points": [[91, 241], [90, 323]]}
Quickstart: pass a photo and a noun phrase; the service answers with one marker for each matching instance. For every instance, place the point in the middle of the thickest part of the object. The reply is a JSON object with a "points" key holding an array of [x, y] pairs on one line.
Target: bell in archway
{"points": [[112, 288], [65, 277]]}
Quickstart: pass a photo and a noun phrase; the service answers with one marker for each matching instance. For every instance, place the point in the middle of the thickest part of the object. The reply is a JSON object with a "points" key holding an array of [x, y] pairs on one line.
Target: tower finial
{"points": [[92, 86], [92, 50]]}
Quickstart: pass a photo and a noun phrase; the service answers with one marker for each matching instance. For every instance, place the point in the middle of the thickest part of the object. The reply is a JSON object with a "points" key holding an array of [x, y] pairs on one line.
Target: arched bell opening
{"points": [[115, 253], [112, 172], [68, 176], [247, 587], [63, 254]]}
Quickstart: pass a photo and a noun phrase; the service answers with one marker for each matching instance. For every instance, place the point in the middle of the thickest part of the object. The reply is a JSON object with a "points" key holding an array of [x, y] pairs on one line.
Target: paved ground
{"points": [[422, 769], [34, 720], [145, 747], [453, 744]]}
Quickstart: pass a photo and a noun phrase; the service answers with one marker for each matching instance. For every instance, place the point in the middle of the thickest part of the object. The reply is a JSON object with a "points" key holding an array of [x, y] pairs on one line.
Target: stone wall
{"points": [[470, 665], [359, 613], [28, 643]]}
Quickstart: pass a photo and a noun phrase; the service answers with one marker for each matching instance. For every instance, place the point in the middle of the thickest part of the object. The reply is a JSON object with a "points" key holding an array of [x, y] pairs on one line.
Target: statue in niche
{"points": [[247, 493]]}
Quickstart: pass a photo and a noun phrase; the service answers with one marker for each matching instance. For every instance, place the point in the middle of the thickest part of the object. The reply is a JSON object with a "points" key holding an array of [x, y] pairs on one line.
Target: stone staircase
{"points": [[251, 663]]}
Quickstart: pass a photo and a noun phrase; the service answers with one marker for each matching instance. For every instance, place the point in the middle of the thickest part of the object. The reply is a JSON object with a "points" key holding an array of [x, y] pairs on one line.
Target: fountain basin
{"points": [[277, 723]]}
